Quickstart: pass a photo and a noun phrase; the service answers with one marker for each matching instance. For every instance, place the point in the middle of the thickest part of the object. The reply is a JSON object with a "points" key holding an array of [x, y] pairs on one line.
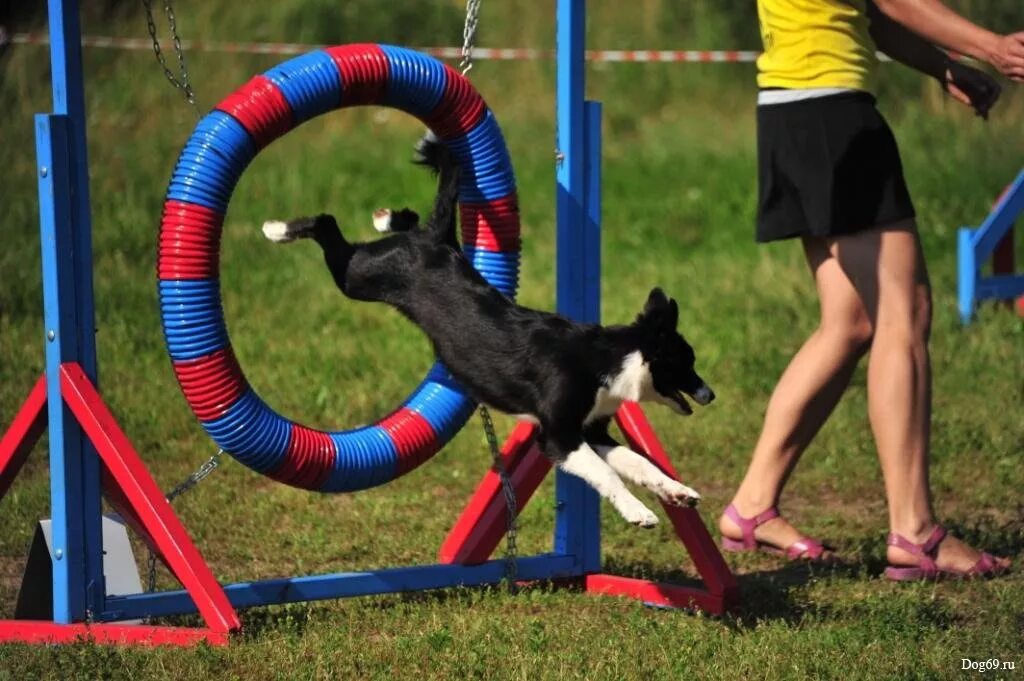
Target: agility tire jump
{"points": [[210, 165]]}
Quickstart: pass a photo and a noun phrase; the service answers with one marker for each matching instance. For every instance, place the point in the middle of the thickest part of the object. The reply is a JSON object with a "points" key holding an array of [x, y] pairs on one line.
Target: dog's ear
{"points": [[656, 301], [659, 312], [671, 315]]}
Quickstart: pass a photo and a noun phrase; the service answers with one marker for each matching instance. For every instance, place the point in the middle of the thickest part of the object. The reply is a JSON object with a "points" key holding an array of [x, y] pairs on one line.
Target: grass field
{"points": [[678, 212]]}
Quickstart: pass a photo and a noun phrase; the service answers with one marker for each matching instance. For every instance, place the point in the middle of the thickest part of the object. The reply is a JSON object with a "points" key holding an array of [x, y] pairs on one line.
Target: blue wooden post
{"points": [[577, 522], [66, 242], [976, 246], [967, 274]]}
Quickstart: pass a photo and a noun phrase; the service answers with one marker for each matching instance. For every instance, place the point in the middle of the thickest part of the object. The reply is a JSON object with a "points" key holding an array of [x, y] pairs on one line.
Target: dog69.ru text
{"points": [[982, 666]]}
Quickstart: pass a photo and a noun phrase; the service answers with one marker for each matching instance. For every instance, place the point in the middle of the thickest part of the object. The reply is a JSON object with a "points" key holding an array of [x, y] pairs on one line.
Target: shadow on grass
{"points": [[776, 594], [770, 594]]}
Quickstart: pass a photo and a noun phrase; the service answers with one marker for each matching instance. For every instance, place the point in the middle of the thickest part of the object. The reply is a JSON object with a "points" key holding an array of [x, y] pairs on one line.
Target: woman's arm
{"points": [[970, 86], [933, 21], [905, 46]]}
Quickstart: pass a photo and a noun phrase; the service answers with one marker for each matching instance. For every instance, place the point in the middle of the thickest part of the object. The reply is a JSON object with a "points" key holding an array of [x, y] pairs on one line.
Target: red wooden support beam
{"points": [[483, 522], [686, 521], [141, 491], [119, 501], [29, 424]]}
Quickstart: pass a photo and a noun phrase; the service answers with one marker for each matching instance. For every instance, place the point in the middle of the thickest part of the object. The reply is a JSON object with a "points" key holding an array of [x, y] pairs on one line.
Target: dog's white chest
{"points": [[605, 404], [632, 382]]}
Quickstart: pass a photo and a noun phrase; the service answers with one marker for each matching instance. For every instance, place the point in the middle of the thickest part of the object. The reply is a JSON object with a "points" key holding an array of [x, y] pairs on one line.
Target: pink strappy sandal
{"points": [[803, 548], [926, 553]]}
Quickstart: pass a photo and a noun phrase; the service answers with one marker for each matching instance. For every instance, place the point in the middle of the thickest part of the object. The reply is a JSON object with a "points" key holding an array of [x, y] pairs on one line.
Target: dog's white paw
{"points": [[637, 514], [382, 220], [677, 494], [278, 231]]}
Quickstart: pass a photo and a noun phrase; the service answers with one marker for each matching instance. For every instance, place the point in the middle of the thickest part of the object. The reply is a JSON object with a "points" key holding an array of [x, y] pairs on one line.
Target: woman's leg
{"points": [[886, 266], [805, 395]]}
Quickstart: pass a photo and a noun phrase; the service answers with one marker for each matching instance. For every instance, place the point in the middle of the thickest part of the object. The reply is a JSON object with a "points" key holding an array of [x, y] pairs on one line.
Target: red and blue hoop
{"points": [[220, 148]]}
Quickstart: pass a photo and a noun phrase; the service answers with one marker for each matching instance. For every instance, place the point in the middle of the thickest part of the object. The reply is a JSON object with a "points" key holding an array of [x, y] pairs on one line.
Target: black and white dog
{"points": [[568, 378]]}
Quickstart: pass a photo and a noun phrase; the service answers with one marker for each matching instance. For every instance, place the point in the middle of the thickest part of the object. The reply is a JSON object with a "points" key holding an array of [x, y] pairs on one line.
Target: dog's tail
{"points": [[431, 152], [324, 230]]}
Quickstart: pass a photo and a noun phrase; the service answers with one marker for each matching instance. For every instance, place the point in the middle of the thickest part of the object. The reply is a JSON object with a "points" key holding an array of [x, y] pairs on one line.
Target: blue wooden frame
{"points": [[66, 242], [578, 247], [975, 246]]}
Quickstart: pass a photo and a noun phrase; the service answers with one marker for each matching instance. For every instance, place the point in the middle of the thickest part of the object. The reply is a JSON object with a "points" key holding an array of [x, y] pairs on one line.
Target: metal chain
{"points": [[185, 485], [511, 507], [182, 82], [469, 35]]}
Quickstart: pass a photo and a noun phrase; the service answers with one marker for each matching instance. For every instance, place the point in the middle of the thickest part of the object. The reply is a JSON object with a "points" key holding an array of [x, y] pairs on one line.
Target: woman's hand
{"points": [[1007, 56]]}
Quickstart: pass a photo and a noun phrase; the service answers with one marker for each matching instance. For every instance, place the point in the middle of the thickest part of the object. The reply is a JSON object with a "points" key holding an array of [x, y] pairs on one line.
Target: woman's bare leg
{"points": [[886, 266]]}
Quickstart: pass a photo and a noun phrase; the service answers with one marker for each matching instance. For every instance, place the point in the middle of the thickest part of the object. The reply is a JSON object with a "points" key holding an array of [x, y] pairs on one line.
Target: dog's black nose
{"points": [[704, 394]]}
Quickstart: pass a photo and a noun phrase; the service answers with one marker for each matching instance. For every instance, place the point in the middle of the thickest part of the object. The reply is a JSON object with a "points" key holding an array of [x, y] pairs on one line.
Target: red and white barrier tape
{"points": [[497, 54]]}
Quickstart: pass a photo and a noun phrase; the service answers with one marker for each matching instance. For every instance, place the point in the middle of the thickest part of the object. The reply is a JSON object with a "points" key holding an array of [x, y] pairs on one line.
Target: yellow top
{"points": [[815, 43]]}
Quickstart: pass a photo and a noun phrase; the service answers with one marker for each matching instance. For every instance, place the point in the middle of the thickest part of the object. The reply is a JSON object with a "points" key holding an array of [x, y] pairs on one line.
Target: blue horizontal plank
{"points": [[1001, 286], [344, 585]]}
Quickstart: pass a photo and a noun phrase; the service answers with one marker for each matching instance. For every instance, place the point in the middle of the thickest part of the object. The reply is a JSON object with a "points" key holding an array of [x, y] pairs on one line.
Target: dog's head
{"points": [[669, 356]]}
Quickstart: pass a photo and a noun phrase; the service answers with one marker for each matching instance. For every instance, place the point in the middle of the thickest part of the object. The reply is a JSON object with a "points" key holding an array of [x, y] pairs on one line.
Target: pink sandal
{"points": [[805, 547], [927, 552]]}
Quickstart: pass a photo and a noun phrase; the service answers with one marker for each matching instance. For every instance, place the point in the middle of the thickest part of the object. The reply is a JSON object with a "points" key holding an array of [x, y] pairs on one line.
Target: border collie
{"points": [[566, 377]]}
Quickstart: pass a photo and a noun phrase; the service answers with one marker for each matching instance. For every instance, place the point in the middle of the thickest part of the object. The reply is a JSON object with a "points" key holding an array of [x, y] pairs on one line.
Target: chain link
{"points": [[511, 507], [185, 485], [469, 35], [180, 82]]}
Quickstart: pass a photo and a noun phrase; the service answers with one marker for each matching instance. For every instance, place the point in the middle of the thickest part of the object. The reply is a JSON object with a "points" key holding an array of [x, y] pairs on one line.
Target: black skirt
{"points": [[827, 166]]}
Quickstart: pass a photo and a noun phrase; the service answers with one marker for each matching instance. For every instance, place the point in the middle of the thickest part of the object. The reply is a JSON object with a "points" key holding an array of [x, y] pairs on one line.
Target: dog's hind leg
{"points": [[391, 220], [324, 230], [583, 462], [322, 226]]}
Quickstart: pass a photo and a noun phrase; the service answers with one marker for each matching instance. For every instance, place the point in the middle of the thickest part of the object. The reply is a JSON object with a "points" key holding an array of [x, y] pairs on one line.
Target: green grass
{"points": [[679, 181]]}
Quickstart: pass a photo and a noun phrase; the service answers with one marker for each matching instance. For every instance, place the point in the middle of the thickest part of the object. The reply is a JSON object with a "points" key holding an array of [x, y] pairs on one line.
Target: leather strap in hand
{"points": [[982, 89]]}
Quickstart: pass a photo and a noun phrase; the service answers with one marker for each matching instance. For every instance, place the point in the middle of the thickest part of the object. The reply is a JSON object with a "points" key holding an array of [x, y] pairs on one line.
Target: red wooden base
{"points": [[656, 593], [129, 485], [26, 631], [480, 527]]}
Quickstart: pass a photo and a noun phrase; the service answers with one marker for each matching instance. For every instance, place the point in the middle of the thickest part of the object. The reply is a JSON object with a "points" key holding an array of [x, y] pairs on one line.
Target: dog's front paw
{"points": [[677, 494], [637, 514]]}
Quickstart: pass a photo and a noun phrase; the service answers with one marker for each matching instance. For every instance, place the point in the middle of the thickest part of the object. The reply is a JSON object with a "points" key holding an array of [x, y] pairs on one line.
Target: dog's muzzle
{"points": [[703, 395]]}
